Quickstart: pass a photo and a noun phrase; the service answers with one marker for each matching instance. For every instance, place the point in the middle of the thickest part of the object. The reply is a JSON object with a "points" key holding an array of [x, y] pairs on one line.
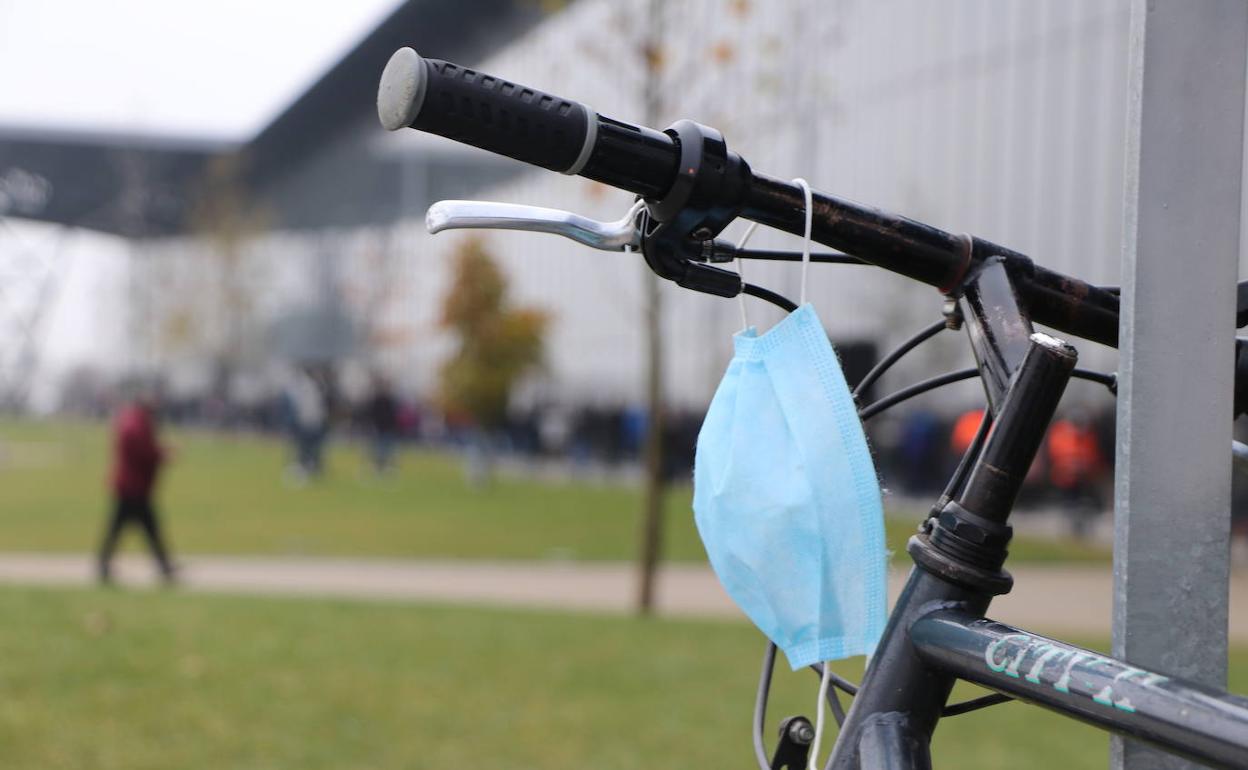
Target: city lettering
{"points": [[1042, 662]]}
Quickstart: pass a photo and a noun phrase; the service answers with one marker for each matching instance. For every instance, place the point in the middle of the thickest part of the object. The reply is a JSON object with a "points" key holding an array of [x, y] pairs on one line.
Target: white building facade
{"points": [[1002, 118]]}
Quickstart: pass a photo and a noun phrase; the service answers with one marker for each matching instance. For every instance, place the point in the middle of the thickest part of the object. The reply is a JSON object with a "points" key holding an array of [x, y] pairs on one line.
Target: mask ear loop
{"points": [[745, 320], [812, 759], [825, 680], [809, 199], [806, 237]]}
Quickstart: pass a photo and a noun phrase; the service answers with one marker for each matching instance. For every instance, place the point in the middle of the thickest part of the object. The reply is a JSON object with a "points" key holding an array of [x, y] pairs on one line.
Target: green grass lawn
{"points": [[226, 494], [103, 680]]}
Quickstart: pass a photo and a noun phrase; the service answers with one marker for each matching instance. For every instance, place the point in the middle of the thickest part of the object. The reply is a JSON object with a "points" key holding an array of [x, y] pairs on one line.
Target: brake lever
{"points": [[463, 215]]}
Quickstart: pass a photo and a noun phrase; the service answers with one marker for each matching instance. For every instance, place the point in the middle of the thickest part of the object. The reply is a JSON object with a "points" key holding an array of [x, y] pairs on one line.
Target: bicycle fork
{"points": [[958, 565]]}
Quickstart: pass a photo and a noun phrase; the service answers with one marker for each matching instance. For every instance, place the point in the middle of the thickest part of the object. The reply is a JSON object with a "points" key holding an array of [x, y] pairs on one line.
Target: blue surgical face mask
{"points": [[786, 497]]}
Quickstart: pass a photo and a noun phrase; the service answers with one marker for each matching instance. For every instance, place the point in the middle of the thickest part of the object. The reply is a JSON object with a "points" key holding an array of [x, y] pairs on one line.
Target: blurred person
{"points": [[633, 429], [920, 451], [308, 418], [555, 429], [412, 422], [1076, 468], [381, 415], [522, 432], [478, 456], [680, 439], [137, 459], [964, 430]]}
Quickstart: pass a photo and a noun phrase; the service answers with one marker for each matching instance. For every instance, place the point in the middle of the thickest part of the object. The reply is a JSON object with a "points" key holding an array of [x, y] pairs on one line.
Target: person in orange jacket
{"points": [[964, 430], [1076, 467]]}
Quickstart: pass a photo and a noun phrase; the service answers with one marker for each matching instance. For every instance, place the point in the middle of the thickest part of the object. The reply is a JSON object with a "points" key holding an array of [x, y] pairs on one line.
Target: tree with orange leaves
{"points": [[497, 343]]}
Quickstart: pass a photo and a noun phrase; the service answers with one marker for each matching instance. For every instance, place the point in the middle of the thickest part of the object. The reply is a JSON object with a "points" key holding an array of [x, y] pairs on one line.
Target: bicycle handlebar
{"points": [[523, 123], [564, 135], [485, 111]]}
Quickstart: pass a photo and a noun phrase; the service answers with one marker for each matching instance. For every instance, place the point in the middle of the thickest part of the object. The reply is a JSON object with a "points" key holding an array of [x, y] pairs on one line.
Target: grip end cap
{"points": [[402, 89]]}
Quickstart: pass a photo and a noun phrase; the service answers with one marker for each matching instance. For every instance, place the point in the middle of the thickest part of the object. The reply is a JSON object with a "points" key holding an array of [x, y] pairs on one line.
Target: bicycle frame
{"points": [[937, 632]]}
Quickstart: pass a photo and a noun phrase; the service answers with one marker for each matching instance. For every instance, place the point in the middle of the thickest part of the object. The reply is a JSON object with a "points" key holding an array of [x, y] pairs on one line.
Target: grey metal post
{"points": [[1182, 230]]}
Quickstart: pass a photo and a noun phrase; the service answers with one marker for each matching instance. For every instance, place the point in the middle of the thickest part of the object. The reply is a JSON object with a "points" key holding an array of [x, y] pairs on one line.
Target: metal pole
{"points": [[1183, 174]]}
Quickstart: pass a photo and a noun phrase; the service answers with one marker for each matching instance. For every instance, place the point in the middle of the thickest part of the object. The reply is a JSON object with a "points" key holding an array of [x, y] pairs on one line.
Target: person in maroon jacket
{"points": [[137, 457]]}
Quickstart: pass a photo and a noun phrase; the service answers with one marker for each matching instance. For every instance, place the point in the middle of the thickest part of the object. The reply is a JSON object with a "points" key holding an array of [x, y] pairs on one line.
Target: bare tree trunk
{"points": [[652, 511]]}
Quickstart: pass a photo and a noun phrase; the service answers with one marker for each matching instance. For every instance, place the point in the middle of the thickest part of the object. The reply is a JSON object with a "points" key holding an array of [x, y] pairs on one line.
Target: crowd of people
{"points": [[310, 409], [916, 452], [1073, 471]]}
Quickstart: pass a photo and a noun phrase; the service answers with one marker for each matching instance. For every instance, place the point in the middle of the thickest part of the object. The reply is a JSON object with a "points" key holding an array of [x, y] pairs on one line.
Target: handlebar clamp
{"points": [[709, 191]]}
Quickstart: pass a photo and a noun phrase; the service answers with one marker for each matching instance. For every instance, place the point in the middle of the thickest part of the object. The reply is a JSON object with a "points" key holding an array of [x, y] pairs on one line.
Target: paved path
{"points": [[1046, 599]]}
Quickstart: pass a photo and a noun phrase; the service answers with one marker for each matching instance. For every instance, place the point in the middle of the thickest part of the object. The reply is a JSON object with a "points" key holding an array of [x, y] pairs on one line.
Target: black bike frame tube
{"points": [[1198, 722], [890, 742], [933, 256], [898, 685]]}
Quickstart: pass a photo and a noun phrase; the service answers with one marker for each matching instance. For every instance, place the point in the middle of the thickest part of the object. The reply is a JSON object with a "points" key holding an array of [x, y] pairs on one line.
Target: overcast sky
{"points": [[220, 69]]}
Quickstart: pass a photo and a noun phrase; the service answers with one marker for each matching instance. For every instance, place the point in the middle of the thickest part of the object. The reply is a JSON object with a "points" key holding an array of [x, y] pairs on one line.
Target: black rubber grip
{"points": [[485, 111]]}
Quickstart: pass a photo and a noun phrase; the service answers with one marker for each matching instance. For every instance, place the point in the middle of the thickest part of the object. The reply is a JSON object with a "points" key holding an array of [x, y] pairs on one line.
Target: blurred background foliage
{"points": [[496, 343]]}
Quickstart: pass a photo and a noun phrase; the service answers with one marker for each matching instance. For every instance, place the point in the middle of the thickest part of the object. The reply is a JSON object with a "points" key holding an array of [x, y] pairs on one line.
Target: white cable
{"points": [[809, 199], [745, 321], [806, 237], [812, 759]]}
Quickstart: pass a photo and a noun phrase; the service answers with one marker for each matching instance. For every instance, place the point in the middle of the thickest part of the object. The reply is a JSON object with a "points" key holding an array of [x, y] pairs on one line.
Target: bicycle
{"points": [[690, 186]]}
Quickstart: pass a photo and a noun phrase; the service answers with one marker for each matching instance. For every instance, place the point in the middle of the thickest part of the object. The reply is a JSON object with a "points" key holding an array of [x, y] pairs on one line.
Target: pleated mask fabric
{"points": [[786, 497]]}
